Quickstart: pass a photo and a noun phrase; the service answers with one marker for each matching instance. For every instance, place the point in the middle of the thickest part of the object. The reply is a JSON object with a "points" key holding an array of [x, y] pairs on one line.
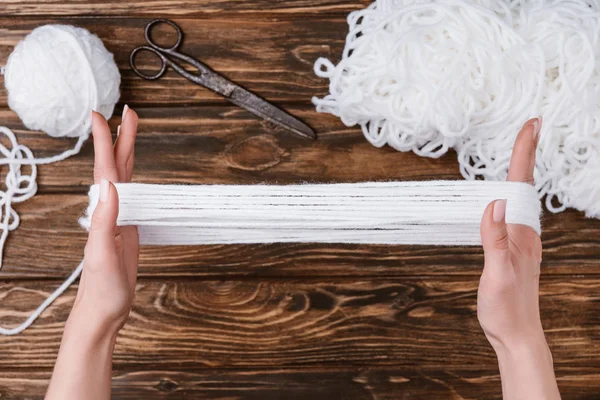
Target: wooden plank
{"points": [[195, 145], [318, 383], [165, 8], [404, 323], [270, 56], [49, 225]]}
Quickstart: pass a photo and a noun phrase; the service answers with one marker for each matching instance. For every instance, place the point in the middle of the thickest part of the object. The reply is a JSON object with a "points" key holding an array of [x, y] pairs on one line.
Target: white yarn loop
{"points": [[434, 212], [432, 75], [19, 187]]}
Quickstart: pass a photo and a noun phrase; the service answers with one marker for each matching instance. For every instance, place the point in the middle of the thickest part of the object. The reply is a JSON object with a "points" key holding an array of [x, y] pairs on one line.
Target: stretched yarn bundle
{"points": [[432, 75], [54, 77], [433, 212]]}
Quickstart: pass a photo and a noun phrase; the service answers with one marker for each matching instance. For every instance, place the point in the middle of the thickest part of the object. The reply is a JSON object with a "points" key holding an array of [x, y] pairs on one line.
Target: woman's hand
{"points": [[508, 296], [107, 285]]}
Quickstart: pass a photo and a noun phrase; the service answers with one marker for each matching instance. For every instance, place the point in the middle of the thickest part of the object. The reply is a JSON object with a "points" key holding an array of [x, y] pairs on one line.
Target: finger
{"points": [[120, 245], [101, 240], [131, 253], [125, 145], [522, 161], [494, 236], [81, 286], [522, 166], [130, 164], [104, 159]]}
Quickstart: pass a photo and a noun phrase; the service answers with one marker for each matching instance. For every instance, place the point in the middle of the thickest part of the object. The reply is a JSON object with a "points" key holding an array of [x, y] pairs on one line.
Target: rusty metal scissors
{"points": [[211, 80]]}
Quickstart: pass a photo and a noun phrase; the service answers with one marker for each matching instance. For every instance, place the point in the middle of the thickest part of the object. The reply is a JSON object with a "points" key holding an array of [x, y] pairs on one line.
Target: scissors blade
{"points": [[258, 106], [251, 102]]}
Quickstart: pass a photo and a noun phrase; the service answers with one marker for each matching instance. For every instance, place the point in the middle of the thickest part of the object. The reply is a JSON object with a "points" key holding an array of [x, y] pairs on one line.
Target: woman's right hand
{"points": [[508, 296]]}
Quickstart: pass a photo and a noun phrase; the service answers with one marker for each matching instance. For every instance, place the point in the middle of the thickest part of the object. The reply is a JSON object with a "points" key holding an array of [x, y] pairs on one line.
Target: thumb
{"points": [[104, 220], [494, 235]]}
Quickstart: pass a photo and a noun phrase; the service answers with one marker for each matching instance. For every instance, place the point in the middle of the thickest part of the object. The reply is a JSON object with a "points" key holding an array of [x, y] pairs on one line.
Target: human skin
{"points": [[84, 365], [508, 295], [507, 303]]}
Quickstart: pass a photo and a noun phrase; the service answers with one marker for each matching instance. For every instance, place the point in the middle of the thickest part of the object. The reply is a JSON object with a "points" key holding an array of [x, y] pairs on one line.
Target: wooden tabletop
{"points": [[282, 321]]}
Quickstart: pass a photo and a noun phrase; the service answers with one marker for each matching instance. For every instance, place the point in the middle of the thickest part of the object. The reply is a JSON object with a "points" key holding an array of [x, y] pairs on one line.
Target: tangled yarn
{"points": [[19, 186], [432, 75], [57, 75]]}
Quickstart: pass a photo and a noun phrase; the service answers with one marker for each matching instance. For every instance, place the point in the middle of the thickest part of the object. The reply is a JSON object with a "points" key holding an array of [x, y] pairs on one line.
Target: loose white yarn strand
{"points": [[21, 187], [61, 289]]}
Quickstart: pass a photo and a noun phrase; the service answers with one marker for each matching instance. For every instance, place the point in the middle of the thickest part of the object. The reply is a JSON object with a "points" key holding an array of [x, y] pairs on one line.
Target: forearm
{"points": [[527, 371], [84, 365]]}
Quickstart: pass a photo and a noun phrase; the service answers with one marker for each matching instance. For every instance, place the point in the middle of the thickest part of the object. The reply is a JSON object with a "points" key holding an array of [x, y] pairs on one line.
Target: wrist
{"points": [[530, 351], [527, 369], [89, 330], [516, 338], [84, 363]]}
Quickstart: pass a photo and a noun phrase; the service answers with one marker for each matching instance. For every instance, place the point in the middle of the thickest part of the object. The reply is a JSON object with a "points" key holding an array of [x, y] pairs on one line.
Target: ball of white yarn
{"points": [[57, 75]]}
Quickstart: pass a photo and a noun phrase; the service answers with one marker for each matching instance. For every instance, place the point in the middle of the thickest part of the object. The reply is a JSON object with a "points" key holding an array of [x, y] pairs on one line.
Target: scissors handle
{"points": [[161, 52], [152, 24], [163, 63]]}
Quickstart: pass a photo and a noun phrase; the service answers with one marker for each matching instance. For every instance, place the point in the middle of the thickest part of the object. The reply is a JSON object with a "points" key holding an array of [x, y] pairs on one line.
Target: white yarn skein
{"points": [[434, 212], [56, 75], [430, 75]]}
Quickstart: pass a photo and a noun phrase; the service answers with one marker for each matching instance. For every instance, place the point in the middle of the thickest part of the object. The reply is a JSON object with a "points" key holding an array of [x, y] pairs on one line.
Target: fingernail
{"points": [[104, 191], [118, 130], [499, 210], [125, 109]]}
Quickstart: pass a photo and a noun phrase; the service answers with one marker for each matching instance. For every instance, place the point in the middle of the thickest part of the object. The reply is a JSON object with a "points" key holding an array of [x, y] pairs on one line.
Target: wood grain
{"points": [[293, 383], [256, 324], [270, 56], [293, 321], [193, 8], [195, 145], [49, 225]]}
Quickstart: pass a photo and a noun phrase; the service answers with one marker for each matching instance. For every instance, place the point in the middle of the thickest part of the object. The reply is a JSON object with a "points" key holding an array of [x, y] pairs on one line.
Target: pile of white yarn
{"points": [[54, 78], [432, 75]]}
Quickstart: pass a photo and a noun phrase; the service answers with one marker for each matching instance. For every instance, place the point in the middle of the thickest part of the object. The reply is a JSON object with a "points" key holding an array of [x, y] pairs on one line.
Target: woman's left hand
{"points": [[108, 280], [107, 284]]}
